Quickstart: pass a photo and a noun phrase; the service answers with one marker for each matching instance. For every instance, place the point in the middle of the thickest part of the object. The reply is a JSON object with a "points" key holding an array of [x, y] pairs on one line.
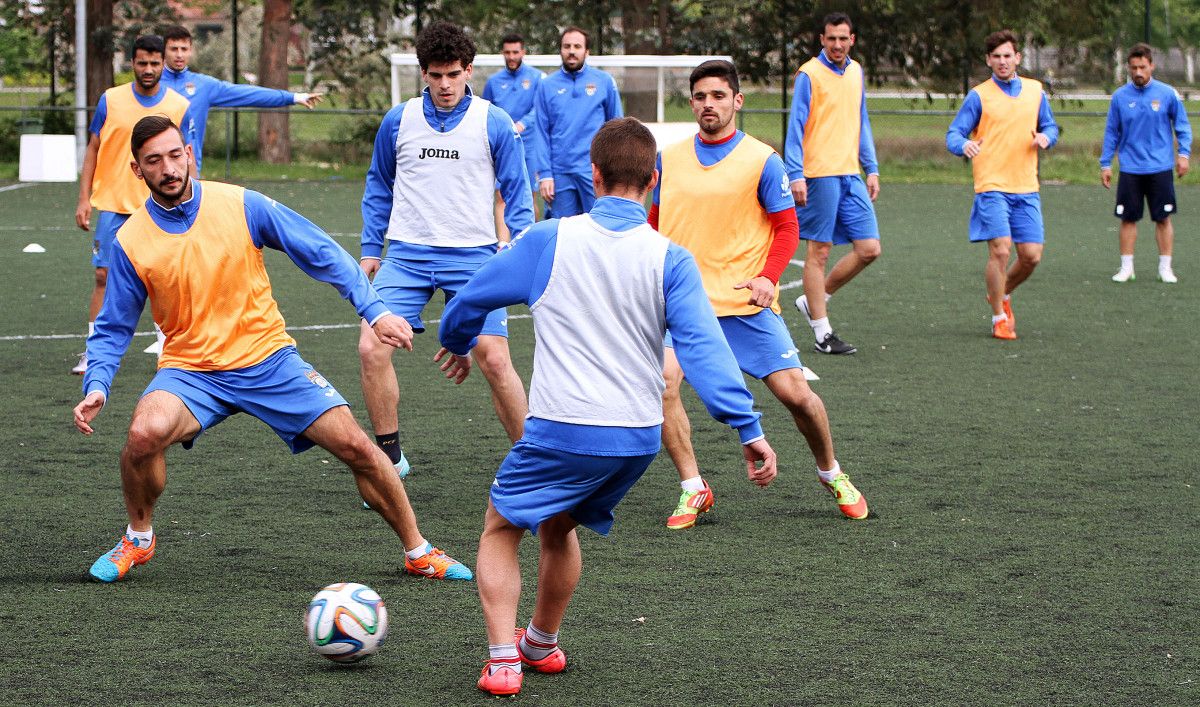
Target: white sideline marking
{"points": [[20, 185]]}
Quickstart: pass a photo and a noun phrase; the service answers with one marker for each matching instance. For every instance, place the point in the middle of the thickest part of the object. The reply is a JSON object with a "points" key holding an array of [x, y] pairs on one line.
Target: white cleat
{"points": [[81, 367], [802, 305], [1124, 275], [1167, 276]]}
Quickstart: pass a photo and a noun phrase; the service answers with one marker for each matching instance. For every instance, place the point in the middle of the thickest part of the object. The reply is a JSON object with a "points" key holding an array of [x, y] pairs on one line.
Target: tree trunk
{"points": [[99, 49], [638, 31], [274, 140]]}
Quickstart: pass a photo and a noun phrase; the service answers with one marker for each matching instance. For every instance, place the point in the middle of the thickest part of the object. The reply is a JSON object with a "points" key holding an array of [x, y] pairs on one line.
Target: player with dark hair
{"points": [[1145, 120], [428, 196], [1000, 127], [194, 250], [596, 394], [829, 139], [513, 88], [571, 104], [724, 196], [106, 181]]}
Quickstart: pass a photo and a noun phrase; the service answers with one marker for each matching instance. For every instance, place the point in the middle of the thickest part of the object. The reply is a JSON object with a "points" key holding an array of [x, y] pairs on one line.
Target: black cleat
{"points": [[831, 344]]}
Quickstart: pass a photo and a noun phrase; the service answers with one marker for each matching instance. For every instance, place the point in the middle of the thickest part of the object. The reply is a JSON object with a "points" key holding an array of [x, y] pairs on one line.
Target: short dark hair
{"points": [[149, 127], [512, 38], [715, 68], [835, 19], [624, 151], [176, 32], [444, 43], [1142, 50], [998, 38], [148, 43], [586, 37]]}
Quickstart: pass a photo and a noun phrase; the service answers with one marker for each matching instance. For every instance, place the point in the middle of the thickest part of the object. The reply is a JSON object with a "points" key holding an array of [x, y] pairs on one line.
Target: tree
{"points": [[274, 139]]}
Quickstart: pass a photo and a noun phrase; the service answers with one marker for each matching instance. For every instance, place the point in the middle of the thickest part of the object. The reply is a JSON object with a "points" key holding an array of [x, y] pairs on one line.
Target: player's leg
{"points": [[159, 420], [1165, 234], [856, 219], [508, 391], [1161, 197], [818, 224], [499, 593], [586, 190], [560, 564], [808, 412], [696, 497], [1028, 234], [1131, 197]]}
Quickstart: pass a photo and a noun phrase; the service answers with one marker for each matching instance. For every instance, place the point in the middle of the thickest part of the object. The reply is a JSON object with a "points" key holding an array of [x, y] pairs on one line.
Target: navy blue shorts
{"points": [[1135, 190]]}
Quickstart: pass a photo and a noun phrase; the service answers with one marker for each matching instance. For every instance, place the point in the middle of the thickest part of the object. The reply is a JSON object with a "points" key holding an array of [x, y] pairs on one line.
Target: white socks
{"points": [[829, 476], [536, 644], [1164, 263], [694, 485], [419, 550], [143, 537], [821, 328], [1127, 263], [503, 655]]}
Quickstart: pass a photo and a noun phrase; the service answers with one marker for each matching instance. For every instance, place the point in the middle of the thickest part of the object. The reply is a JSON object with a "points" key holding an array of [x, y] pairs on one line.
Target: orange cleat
{"points": [[691, 504], [850, 502], [504, 681], [556, 662], [1012, 320], [115, 563], [436, 564], [1003, 329]]}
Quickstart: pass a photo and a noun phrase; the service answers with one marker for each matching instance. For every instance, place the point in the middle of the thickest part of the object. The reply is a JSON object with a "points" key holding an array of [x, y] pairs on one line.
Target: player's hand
{"points": [[86, 411], [1181, 165], [455, 367], [1106, 177], [83, 213], [394, 331], [546, 189], [1041, 140], [519, 126], [971, 148], [873, 186], [800, 192], [370, 266], [762, 291], [309, 100], [760, 451]]}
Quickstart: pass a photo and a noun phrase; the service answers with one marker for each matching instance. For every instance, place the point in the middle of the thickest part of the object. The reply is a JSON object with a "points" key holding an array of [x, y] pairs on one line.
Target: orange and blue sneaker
{"points": [[555, 662], [852, 503], [691, 504], [1012, 320], [115, 563], [402, 469], [436, 564], [504, 680]]}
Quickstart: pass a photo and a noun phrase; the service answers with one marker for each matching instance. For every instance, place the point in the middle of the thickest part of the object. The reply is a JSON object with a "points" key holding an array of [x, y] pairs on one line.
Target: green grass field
{"points": [[1033, 537]]}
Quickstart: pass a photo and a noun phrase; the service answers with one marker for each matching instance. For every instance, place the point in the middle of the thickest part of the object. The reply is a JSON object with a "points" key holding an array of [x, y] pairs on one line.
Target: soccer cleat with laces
{"points": [[831, 344], [852, 503], [1003, 330], [1168, 276], [115, 563], [1124, 275], [80, 367], [503, 681], [802, 305], [691, 504], [436, 564], [402, 469], [556, 662]]}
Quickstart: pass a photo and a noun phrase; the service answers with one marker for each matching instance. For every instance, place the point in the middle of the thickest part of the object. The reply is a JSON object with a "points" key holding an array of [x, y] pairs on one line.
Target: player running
{"points": [[724, 196], [195, 252], [602, 288]]}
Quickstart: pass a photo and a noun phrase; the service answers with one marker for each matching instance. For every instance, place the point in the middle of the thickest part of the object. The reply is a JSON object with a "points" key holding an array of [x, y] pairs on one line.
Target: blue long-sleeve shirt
{"points": [[514, 91], [801, 103], [271, 225], [519, 275], [571, 106], [508, 156], [971, 111], [204, 92], [1142, 127]]}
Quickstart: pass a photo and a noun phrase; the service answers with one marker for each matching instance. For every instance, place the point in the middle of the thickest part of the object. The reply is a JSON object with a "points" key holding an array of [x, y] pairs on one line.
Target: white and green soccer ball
{"points": [[346, 622]]}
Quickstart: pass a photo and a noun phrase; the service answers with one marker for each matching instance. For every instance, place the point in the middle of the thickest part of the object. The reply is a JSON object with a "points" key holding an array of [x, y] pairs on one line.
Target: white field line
{"points": [[19, 185]]}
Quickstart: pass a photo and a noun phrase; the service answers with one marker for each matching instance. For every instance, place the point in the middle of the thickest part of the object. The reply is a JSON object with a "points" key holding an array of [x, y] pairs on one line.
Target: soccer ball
{"points": [[346, 622]]}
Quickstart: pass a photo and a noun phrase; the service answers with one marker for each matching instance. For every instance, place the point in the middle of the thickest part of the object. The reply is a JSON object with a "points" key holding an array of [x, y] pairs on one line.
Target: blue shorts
{"points": [[761, 343], [536, 483], [283, 391], [574, 194], [839, 211], [406, 286], [998, 214], [107, 225]]}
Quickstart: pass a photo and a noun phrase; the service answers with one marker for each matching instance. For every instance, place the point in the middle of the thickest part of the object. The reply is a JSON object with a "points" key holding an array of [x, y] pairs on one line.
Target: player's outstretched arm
{"points": [[760, 451], [87, 410]]}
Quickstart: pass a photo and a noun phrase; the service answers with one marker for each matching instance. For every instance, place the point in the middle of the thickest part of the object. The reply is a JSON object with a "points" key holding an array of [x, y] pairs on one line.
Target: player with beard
{"points": [[513, 88], [725, 197], [195, 252]]}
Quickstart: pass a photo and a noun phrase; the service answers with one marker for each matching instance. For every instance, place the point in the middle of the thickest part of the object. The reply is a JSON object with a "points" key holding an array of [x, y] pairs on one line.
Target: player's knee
{"points": [[803, 402], [868, 250], [148, 436], [1029, 259], [492, 358], [372, 351]]}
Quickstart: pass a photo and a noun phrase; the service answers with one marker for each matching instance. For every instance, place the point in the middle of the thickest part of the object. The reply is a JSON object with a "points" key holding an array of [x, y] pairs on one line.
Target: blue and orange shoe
{"points": [[691, 504], [1012, 320], [852, 503], [402, 469], [436, 564], [556, 662], [502, 681], [115, 563]]}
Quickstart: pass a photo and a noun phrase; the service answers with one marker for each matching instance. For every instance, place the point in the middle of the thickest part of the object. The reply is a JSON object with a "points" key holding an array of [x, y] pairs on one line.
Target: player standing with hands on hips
{"points": [[1145, 119]]}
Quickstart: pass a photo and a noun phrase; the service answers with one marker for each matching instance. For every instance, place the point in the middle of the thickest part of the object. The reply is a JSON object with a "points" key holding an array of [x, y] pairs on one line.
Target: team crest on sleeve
{"points": [[590, 89], [1155, 105], [526, 83], [189, 88], [785, 186]]}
